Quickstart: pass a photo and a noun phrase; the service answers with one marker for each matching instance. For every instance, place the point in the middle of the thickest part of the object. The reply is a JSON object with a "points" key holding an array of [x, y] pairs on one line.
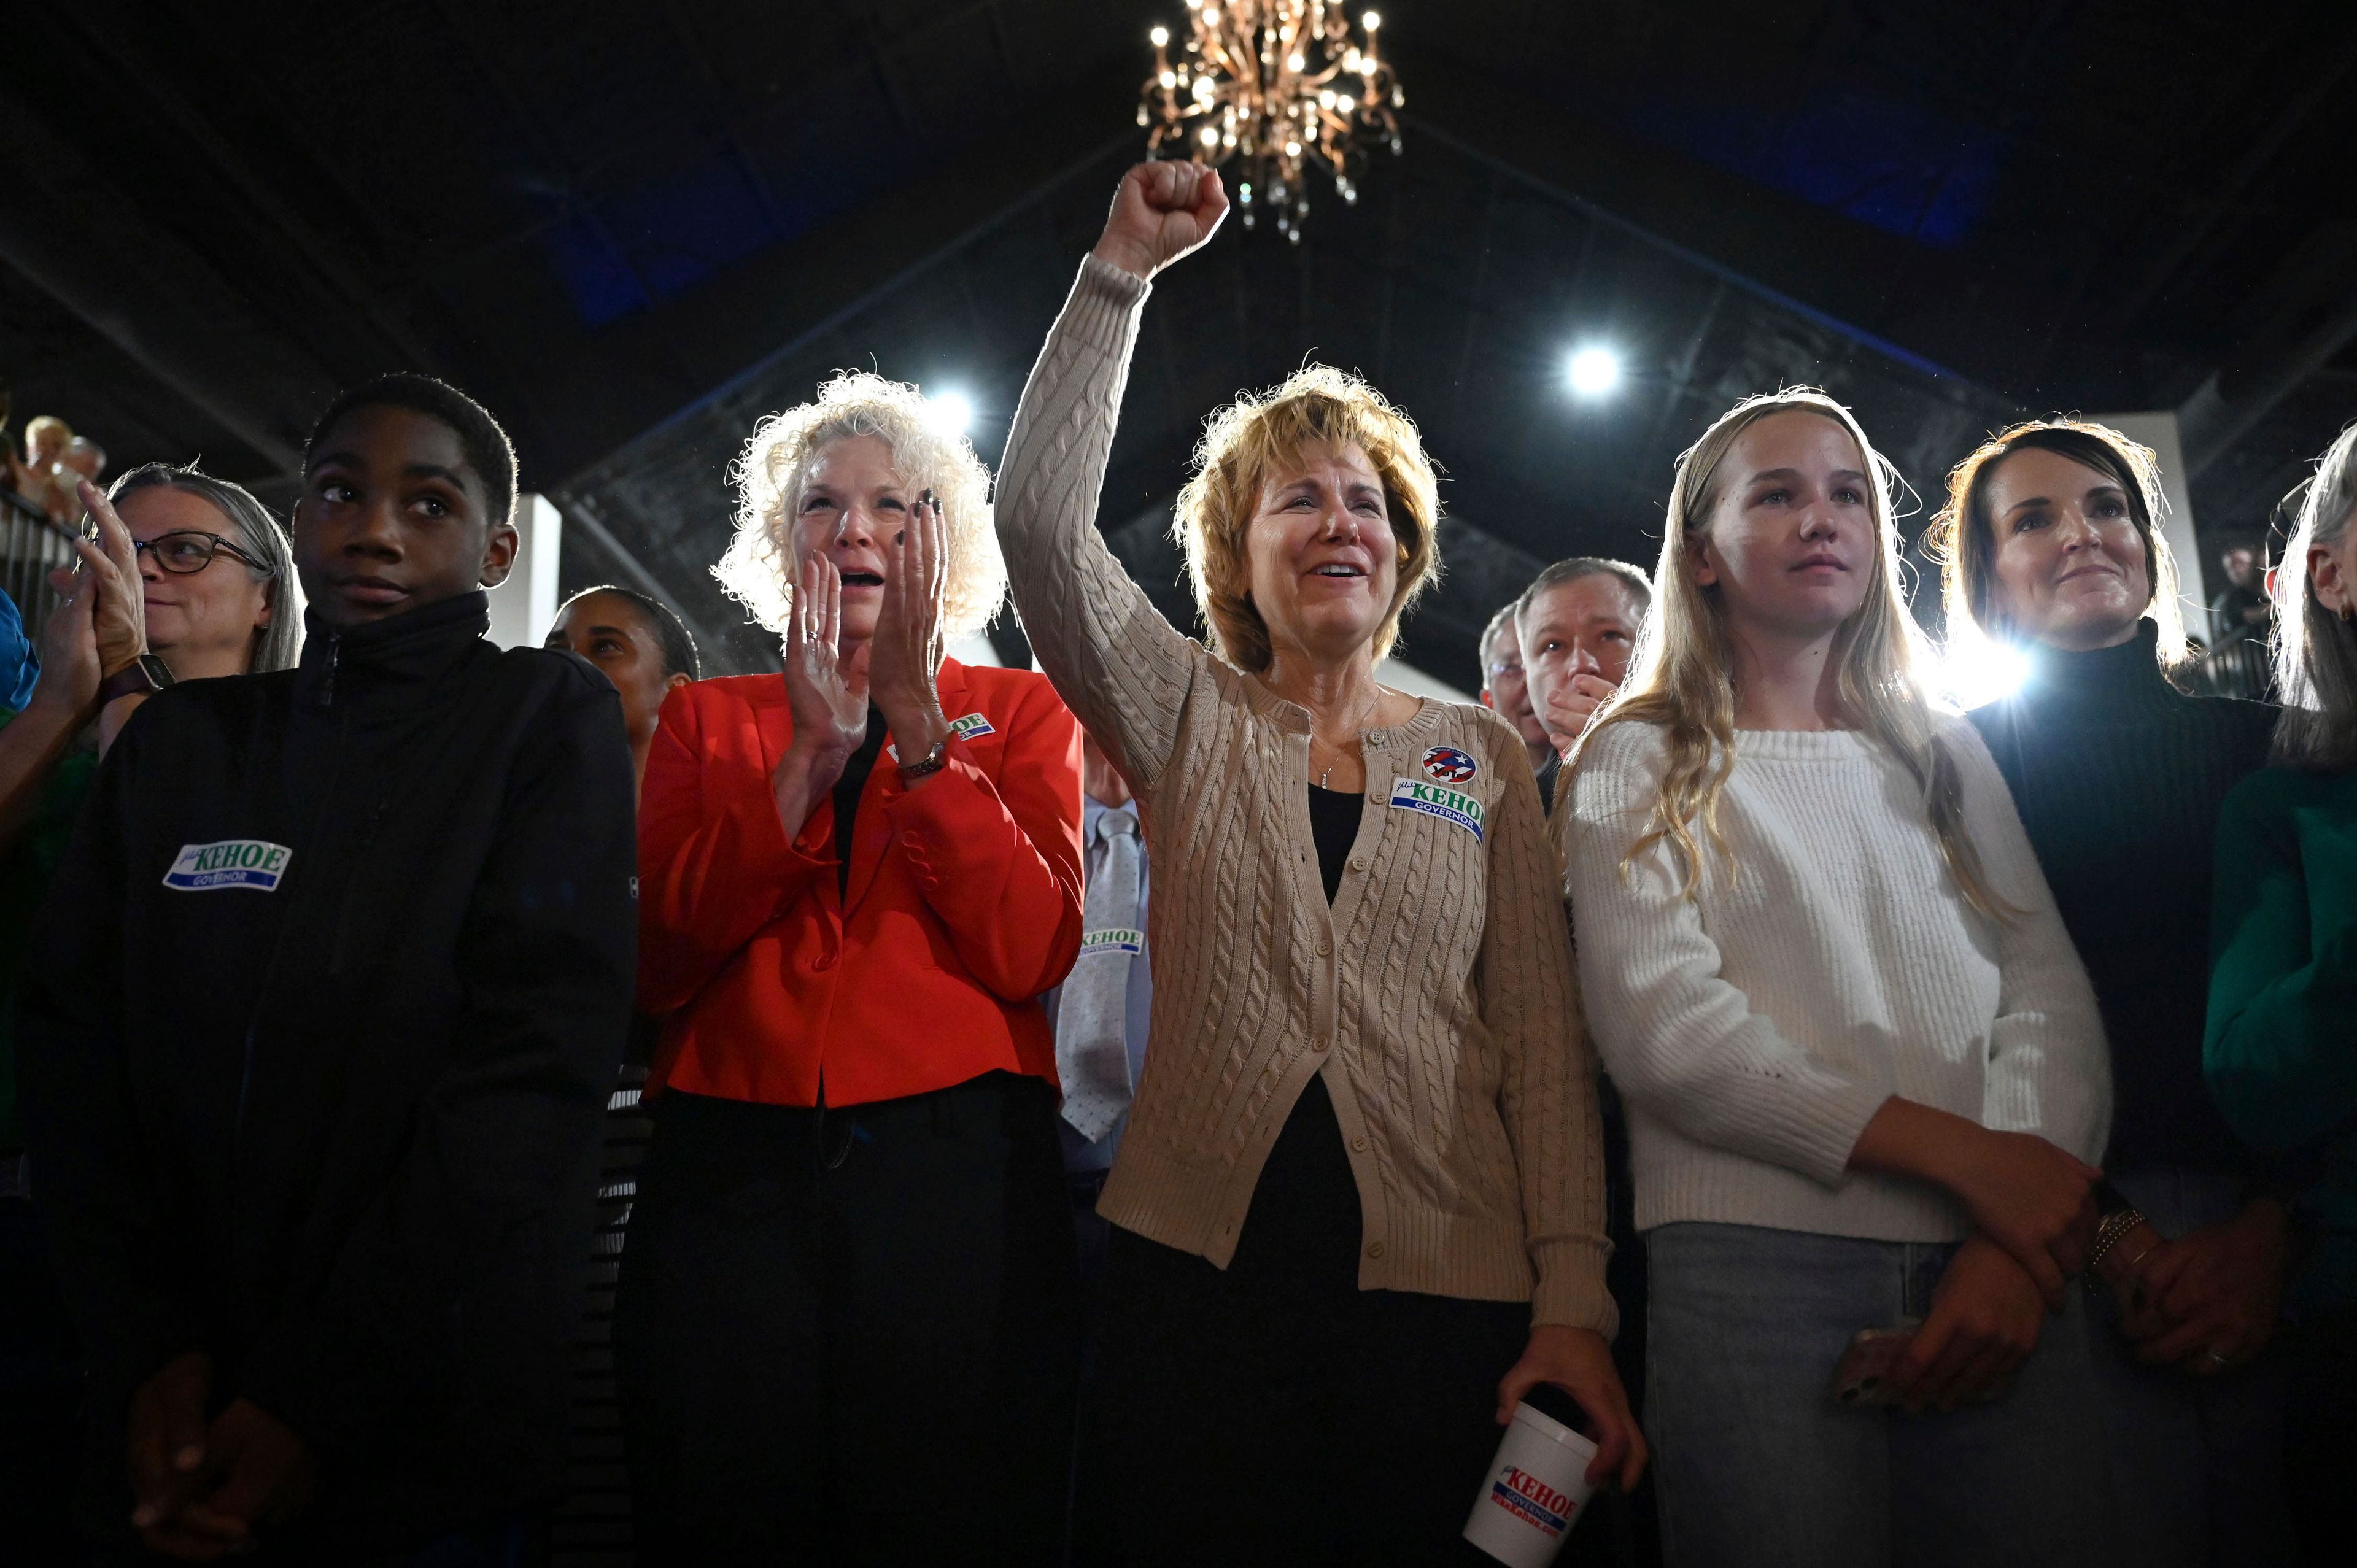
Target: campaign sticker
{"points": [[1447, 765], [1532, 1500], [230, 863], [1438, 800], [1113, 939], [971, 727]]}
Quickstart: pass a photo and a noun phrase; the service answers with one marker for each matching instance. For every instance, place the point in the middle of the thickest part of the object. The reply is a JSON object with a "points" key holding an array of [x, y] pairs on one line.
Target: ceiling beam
{"points": [[2314, 316], [1845, 275], [77, 238]]}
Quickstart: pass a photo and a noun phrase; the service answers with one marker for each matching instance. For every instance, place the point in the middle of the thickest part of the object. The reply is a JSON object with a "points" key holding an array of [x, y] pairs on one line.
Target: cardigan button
{"points": [[1320, 1043], [1358, 862], [1324, 947], [823, 962], [1360, 1142], [1374, 1249]]}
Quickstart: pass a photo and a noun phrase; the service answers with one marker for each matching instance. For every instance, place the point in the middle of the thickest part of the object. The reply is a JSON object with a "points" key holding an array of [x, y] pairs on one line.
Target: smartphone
{"points": [[1868, 1372]]}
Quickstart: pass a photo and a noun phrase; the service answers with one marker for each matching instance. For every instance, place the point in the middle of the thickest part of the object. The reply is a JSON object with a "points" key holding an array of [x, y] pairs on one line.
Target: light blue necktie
{"points": [[1091, 1016]]}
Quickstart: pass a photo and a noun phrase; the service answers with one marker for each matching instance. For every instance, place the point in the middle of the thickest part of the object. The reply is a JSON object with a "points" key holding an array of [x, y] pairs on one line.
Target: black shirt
{"points": [[2118, 777], [1333, 826], [848, 791]]}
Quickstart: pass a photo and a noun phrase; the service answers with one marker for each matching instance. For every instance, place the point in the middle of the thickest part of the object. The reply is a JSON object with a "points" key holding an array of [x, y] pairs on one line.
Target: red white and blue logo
{"points": [[1533, 1501], [1447, 765]]}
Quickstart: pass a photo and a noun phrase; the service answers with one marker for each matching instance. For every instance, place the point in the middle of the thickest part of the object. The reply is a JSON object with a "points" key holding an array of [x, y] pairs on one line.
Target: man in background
{"points": [[1100, 1016], [1502, 687], [1578, 624], [2241, 617]]}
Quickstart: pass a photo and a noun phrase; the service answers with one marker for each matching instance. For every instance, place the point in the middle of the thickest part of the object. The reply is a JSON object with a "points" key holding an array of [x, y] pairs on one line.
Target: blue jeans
{"points": [[2196, 1463], [1758, 1467]]}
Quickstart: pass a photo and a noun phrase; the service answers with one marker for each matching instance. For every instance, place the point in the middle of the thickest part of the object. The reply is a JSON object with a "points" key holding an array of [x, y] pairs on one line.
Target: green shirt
{"points": [[2281, 1048]]}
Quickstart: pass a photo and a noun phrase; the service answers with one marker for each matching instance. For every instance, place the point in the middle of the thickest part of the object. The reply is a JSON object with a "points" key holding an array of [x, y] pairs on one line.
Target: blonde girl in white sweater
{"points": [[1864, 1068]]}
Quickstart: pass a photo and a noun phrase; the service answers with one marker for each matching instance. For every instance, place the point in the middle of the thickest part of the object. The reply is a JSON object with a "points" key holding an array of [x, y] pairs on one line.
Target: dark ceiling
{"points": [[632, 230]]}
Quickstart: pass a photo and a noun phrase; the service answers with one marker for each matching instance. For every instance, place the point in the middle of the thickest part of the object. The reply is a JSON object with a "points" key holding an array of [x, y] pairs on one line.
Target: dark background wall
{"points": [[632, 228]]}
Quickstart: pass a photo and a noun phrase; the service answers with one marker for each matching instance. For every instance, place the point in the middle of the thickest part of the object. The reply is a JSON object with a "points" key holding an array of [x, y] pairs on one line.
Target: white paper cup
{"points": [[1535, 1489]]}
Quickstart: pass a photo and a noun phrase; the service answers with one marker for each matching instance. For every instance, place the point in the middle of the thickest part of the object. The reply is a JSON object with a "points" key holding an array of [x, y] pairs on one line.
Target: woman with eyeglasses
{"points": [[189, 577]]}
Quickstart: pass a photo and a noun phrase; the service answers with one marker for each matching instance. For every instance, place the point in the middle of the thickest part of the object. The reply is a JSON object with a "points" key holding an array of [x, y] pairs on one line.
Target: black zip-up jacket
{"points": [[331, 989]]}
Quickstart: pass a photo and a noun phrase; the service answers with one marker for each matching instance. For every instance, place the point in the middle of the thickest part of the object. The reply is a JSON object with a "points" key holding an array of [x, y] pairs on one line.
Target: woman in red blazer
{"points": [[844, 1329]]}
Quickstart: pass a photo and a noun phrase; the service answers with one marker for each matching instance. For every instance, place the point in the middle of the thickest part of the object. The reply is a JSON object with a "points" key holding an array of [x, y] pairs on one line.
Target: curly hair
{"points": [[758, 568], [1260, 433]]}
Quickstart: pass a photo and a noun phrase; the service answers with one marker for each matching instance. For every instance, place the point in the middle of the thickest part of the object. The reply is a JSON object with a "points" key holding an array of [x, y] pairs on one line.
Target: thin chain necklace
{"points": [[1363, 714]]}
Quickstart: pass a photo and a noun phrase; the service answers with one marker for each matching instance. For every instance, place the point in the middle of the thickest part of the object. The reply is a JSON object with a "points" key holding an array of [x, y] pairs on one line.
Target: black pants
{"points": [[41, 1439], [845, 1336], [1273, 1411]]}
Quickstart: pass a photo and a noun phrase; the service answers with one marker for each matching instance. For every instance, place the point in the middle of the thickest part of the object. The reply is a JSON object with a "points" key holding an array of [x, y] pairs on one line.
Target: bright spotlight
{"points": [[952, 412], [1593, 371], [1980, 672]]}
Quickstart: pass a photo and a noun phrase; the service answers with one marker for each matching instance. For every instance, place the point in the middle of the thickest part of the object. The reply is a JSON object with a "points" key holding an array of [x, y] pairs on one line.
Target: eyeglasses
{"points": [[186, 551]]}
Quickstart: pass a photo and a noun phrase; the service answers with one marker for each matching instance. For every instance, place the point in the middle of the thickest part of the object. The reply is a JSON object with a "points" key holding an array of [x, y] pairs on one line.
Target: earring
{"points": [[2349, 612]]}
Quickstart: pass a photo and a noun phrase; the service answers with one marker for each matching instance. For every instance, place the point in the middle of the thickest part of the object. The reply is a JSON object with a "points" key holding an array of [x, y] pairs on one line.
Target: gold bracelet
{"points": [[2107, 1236]]}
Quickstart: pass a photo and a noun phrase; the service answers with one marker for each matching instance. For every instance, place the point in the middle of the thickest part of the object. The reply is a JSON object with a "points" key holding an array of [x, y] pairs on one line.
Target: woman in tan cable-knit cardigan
{"points": [[1358, 1207]]}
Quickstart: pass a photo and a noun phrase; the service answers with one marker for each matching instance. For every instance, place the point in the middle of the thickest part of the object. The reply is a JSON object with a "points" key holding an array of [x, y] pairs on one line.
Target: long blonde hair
{"points": [[1683, 675]]}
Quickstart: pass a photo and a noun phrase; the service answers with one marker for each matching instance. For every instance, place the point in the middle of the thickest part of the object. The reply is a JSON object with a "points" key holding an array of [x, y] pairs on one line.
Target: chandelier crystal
{"points": [[1272, 85]]}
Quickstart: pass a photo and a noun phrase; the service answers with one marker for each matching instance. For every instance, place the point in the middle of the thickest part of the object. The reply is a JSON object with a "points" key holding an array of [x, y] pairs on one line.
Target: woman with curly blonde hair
{"points": [[1358, 1210], [844, 1327], [1863, 1067]]}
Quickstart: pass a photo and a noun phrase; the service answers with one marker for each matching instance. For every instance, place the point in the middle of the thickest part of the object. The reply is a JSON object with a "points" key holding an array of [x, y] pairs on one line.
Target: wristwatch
{"points": [[925, 766], [143, 677]]}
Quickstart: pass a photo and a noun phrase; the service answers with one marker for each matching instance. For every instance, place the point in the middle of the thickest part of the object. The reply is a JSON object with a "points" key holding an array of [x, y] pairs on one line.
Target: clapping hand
{"points": [[826, 692], [905, 658], [120, 621], [1163, 210]]}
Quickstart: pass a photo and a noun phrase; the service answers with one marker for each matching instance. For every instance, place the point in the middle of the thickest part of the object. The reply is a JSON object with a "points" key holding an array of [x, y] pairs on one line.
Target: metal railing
{"points": [[29, 550]]}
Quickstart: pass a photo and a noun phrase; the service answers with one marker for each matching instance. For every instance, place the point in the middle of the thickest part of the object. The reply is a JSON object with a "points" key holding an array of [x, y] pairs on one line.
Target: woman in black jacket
{"points": [[2051, 544]]}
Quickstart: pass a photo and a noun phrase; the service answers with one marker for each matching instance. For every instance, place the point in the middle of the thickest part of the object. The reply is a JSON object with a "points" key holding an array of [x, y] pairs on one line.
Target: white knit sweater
{"points": [[1756, 1032]]}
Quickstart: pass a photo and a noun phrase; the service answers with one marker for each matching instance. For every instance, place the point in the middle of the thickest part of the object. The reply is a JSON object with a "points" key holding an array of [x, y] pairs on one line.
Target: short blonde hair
{"points": [[758, 567], [1258, 434]]}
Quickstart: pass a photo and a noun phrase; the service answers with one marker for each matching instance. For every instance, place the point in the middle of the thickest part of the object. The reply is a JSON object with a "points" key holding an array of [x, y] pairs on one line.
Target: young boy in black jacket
{"points": [[315, 1045]]}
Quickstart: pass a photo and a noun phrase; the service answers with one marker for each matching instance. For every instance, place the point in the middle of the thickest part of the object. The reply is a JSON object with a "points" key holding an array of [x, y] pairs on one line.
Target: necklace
{"points": [[1363, 714]]}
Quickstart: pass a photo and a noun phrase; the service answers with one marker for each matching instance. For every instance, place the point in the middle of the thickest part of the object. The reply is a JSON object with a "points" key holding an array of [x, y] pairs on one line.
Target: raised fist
{"points": [[1163, 210]]}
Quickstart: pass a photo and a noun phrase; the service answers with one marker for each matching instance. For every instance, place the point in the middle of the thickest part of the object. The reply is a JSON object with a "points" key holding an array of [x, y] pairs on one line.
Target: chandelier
{"points": [[1272, 84]]}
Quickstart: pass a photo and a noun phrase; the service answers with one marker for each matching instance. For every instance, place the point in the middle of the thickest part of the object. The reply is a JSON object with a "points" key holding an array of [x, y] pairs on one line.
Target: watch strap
{"points": [[925, 766], [143, 677]]}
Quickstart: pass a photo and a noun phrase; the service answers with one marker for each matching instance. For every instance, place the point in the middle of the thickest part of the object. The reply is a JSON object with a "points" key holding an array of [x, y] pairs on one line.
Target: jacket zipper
{"points": [[310, 839]]}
